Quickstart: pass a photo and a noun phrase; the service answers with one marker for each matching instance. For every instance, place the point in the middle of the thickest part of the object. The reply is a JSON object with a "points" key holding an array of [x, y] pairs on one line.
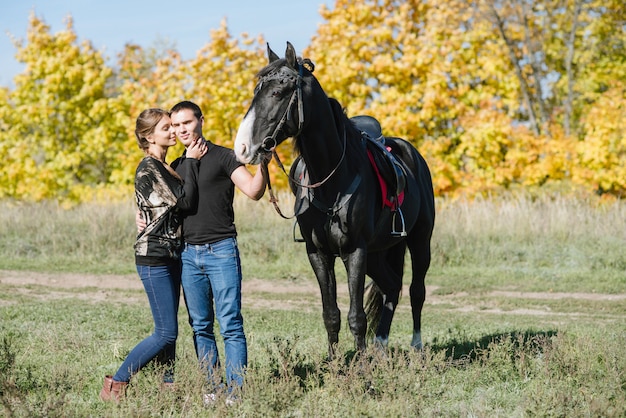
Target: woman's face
{"points": [[164, 134]]}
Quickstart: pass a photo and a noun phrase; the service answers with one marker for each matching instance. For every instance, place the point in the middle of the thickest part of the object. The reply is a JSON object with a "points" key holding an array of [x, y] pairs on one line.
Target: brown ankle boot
{"points": [[169, 386], [112, 390]]}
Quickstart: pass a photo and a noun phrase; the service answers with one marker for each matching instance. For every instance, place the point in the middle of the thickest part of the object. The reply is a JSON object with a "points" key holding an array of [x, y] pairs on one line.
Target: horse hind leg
{"points": [[419, 246], [386, 268]]}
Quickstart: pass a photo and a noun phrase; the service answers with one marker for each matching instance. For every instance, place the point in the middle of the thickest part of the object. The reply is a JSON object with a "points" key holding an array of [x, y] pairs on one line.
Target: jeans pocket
{"points": [[226, 248]]}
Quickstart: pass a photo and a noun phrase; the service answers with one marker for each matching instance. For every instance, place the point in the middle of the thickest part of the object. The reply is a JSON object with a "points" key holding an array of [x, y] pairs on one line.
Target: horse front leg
{"points": [[355, 264], [324, 269]]}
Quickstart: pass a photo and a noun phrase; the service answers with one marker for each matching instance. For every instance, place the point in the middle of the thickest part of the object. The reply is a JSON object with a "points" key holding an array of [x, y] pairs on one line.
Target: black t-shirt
{"points": [[215, 219]]}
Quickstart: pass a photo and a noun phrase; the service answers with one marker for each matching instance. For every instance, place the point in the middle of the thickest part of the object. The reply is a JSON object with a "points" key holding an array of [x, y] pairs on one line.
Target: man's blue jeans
{"points": [[162, 285], [211, 278]]}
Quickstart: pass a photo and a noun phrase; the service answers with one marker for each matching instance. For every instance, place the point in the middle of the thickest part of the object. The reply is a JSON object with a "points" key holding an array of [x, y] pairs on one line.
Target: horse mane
{"points": [[339, 113], [272, 66], [343, 122]]}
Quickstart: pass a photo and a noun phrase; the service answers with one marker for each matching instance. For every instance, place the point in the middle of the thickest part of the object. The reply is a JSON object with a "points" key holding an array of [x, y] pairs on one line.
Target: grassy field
{"points": [[525, 316]]}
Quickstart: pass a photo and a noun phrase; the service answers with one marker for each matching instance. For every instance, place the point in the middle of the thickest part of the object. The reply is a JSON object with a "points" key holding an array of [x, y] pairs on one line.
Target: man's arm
{"points": [[251, 186]]}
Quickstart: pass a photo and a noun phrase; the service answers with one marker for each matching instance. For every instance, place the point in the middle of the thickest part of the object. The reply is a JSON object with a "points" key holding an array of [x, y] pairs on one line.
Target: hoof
{"points": [[416, 342]]}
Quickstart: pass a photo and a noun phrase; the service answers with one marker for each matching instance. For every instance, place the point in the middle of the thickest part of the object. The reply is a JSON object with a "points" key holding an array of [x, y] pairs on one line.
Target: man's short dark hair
{"points": [[186, 104]]}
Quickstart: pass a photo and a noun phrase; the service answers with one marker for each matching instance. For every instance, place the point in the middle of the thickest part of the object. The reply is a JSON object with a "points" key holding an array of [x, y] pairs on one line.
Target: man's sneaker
{"points": [[209, 399]]}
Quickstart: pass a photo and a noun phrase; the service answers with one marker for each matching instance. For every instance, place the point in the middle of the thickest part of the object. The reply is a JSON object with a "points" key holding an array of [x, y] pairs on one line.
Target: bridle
{"points": [[270, 142]]}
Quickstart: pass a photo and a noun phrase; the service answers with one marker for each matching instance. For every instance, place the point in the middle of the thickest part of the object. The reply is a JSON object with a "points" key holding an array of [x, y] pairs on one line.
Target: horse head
{"points": [[276, 112]]}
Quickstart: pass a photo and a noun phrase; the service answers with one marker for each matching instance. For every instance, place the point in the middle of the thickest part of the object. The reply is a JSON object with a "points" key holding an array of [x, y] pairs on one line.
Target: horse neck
{"points": [[320, 143], [322, 150]]}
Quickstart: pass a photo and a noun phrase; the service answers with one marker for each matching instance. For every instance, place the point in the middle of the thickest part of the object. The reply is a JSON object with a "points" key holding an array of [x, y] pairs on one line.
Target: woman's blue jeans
{"points": [[211, 278], [162, 285]]}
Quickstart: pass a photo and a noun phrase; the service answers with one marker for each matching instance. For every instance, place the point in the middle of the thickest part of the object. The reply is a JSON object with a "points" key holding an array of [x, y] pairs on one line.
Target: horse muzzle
{"points": [[252, 156]]}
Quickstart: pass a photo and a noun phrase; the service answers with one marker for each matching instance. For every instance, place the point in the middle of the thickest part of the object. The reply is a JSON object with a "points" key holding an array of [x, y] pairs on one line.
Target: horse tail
{"points": [[373, 307]]}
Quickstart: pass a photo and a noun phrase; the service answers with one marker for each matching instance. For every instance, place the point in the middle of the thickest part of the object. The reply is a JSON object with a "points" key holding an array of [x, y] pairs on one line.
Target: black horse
{"points": [[339, 204]]}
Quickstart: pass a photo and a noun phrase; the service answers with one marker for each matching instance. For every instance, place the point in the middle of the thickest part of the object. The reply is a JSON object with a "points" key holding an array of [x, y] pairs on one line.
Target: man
{"points": [[211, 267]]}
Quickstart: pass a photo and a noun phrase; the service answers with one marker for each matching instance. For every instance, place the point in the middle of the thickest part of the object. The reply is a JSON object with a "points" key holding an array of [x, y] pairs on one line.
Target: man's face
{"points": [[187, 126]]}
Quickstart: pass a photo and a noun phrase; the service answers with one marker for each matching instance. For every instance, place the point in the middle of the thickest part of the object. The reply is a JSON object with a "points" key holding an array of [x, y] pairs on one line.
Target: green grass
{"points": [[518, 319], [55, 347], [530, 244]]}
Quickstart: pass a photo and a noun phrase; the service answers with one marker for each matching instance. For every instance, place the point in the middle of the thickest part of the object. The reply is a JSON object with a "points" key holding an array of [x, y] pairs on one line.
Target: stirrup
{"points": [[395, 233], [295, 239]]}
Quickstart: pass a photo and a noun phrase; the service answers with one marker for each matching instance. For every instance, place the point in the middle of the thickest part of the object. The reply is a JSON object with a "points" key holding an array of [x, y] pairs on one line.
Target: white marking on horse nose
{"points": [[243, 141]]}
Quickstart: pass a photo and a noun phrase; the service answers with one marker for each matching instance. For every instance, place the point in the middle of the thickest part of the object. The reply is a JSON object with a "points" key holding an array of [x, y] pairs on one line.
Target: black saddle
{"points": [[369, 126]]}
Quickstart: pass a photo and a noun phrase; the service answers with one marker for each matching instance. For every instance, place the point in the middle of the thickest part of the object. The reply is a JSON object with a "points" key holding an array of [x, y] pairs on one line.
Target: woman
{"points": [[163, 198]]}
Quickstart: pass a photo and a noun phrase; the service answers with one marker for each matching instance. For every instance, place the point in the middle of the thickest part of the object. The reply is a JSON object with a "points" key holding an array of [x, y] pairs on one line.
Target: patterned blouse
{"points": [[163, 199]]}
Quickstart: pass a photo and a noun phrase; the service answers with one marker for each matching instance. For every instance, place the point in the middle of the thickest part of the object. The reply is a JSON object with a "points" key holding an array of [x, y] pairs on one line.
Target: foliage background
{"points": [[496, 95]]}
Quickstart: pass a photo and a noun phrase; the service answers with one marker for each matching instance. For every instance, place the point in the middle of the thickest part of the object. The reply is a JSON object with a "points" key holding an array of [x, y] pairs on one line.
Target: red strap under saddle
{"points": [[383, 185]]}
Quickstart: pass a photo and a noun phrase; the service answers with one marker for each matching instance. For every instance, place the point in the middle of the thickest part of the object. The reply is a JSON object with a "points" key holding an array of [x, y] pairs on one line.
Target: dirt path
{"points": [[302, 295], [132, 282]]}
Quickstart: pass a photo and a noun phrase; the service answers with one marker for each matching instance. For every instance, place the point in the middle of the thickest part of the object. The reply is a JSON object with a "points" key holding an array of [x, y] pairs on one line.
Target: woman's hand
{"points": [[196, 149], [139, 221]]}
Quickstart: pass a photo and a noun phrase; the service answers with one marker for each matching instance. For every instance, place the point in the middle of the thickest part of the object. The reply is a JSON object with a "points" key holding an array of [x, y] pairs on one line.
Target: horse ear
{"points": [[308, 64], [271, 55], [290, 55]]}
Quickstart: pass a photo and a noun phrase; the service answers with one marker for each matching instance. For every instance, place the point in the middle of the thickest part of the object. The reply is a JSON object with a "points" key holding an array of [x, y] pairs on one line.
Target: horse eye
{"points": [[275, 93]]}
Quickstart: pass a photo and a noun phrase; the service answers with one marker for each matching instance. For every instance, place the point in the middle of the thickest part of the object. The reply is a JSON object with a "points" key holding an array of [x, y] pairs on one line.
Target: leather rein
{"points": [[269, 143]]}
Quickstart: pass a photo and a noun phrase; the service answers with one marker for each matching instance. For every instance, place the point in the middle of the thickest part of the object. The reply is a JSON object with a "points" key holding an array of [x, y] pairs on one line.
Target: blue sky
{"points": [[109, 24]]}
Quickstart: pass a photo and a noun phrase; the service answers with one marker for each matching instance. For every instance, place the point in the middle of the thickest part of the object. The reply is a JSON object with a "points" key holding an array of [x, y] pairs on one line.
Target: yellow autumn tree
{"points": [[496, 95], [221, 80], [143, 78], [425, 73], [491, 92], [60, 133], [564, 55], [602, 154]]}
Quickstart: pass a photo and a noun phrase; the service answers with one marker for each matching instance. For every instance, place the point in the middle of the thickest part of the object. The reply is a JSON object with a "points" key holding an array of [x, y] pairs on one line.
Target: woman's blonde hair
{"points": [[146, 124]]}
